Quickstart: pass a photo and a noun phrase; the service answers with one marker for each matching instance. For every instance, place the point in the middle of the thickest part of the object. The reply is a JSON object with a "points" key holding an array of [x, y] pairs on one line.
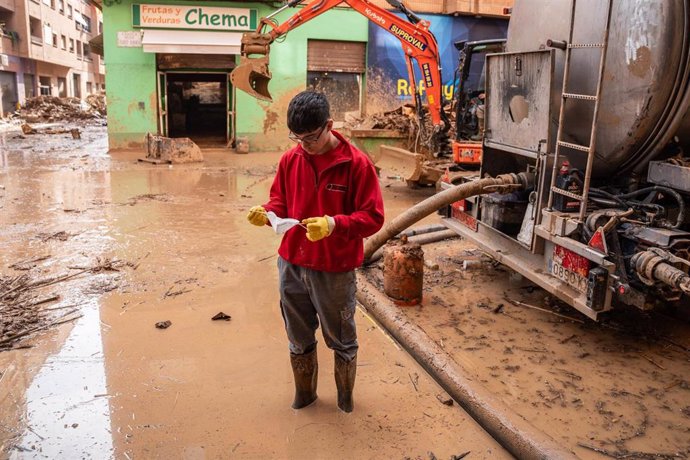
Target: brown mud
{"points": [[111, 385], [620, 386]]}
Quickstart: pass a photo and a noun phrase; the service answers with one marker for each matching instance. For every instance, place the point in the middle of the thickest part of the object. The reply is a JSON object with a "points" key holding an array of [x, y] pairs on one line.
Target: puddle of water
{"points": [[67, 412]]}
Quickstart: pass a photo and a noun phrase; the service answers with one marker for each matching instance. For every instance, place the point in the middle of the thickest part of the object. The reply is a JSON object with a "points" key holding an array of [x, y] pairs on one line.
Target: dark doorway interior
{"points": [[197, 107]]}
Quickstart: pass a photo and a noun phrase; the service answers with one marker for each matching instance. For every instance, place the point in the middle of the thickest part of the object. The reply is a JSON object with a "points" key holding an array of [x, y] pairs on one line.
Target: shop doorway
{"points": [[198, 106], [8, 92]]}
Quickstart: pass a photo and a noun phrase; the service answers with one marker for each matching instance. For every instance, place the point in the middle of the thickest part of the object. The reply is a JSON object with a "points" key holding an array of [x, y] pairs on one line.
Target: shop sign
{"points": [[196, 17], [129, 39]]}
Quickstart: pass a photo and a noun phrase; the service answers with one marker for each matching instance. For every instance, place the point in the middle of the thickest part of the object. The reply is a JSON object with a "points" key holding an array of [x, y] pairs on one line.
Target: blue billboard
{"points": [[386, 64]]}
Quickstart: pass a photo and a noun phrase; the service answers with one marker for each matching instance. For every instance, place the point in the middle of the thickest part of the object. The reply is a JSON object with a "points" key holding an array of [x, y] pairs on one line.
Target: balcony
{"points": [[9, 43], [7, 5]]}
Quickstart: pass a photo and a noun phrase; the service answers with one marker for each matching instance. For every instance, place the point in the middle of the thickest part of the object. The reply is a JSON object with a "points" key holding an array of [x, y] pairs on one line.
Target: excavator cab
{"points": [[252, 74], [471, 83]]}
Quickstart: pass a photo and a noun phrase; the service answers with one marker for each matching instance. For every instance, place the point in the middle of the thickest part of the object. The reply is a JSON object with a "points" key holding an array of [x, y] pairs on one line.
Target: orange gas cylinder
{"points": [[403, 271]]}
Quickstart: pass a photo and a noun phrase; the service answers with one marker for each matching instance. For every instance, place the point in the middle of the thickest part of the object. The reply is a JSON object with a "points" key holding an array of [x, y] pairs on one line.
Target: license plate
{"points": [[458, 212], [568, 276]]}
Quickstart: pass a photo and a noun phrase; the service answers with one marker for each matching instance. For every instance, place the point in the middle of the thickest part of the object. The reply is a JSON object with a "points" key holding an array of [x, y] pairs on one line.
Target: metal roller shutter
{"points": [[335, 56]]}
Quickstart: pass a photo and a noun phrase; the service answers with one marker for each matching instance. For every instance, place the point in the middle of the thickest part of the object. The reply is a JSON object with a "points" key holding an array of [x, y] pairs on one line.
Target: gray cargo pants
{"points": [[309, 297]]}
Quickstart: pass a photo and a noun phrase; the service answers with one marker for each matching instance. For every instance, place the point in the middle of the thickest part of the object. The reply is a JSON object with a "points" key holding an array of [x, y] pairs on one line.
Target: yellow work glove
{"points": [[257, 216], [319, 228]]}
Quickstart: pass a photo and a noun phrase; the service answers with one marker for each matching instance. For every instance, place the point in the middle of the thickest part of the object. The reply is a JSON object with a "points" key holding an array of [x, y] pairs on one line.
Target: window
{"points": [[44, 85], [5, 19], [52, 4], [63, 41], [69, 11], [89, 87], [100, 27], [87, 51], [47, 34], [36, 31], [61, 6], [71, 45], [55, 41], [79, 53], [86, 23]]}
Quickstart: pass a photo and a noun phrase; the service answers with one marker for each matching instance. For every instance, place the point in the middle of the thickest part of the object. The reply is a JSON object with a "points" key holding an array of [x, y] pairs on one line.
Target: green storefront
{"points": [[168, 65]]}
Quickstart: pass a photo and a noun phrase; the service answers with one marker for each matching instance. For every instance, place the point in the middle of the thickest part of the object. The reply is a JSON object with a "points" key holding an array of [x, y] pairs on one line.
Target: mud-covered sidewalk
{"points": [[103, 248]]}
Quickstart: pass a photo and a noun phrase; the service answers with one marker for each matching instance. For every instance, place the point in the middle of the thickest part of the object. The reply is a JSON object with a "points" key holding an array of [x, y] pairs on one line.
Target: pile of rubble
{"points": [[50, 108], [97, 102], [404, 119]]}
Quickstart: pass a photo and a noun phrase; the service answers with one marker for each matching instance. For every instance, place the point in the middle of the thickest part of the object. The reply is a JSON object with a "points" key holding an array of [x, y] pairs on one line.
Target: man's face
{"points": [[314, 142]]}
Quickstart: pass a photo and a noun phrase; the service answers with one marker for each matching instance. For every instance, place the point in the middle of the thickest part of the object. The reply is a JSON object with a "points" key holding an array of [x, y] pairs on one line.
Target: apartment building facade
{"points": [[45, 50]]}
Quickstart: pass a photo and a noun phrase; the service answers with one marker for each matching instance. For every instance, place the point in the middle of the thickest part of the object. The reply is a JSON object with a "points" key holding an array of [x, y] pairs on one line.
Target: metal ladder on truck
{"points": [[566, 96]]}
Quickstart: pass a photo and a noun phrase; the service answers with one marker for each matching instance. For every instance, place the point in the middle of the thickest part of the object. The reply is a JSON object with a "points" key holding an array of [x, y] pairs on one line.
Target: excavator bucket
{"points": [[252, 77], [252, 74], [406, 164]]}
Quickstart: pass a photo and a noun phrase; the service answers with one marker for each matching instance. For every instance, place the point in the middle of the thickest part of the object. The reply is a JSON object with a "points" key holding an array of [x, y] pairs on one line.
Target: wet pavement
{"points": [[109, 384]]}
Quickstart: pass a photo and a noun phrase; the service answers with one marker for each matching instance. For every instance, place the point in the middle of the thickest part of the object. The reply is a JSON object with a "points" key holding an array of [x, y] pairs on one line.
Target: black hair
{"points": [[308, 111]]}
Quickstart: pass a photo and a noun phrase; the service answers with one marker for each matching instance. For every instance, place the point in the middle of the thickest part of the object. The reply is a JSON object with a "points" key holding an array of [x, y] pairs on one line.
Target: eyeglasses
{"points": [[310, 138]]}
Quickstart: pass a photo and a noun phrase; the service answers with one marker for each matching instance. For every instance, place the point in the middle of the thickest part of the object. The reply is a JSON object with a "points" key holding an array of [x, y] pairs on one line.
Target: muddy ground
{"points": [[109, 384], [160, 243]]}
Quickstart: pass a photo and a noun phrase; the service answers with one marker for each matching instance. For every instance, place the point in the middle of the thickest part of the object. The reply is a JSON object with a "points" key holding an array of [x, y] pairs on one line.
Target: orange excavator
{"points": [[419, 44]]}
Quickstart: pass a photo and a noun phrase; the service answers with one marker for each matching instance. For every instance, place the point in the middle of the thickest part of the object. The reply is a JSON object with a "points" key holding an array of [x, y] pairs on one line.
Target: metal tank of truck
{"points": [[591, 101]]}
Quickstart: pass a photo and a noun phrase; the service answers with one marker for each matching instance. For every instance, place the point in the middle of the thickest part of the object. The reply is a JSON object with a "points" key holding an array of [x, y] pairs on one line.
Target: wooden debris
{"points": [[460, 456], [220, 316], [28, 264], [526, 305], [568, 339], [414, 380], [40, 328], [653, 362], [171, 293], [20, 306], [632, 455]]}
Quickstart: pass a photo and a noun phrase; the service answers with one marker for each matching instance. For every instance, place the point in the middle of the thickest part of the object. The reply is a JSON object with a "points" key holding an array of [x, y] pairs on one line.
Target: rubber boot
{"points": [[305, 369], [345, 372]]}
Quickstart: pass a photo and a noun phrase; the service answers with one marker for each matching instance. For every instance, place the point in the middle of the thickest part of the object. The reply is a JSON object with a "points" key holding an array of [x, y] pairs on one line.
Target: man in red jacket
{"points": [[332, 188]]}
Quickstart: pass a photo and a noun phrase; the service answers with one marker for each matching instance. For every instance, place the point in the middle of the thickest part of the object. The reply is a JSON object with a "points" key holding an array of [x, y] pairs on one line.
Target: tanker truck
{"points": [[590, 106]]}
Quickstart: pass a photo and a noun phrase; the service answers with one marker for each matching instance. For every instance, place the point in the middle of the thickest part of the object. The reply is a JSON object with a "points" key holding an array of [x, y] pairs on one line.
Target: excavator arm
{"points": [[418, 43]]}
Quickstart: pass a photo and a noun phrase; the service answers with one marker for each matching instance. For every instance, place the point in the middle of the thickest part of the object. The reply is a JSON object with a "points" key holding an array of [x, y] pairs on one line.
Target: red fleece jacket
{"points": [[347, 189]]}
